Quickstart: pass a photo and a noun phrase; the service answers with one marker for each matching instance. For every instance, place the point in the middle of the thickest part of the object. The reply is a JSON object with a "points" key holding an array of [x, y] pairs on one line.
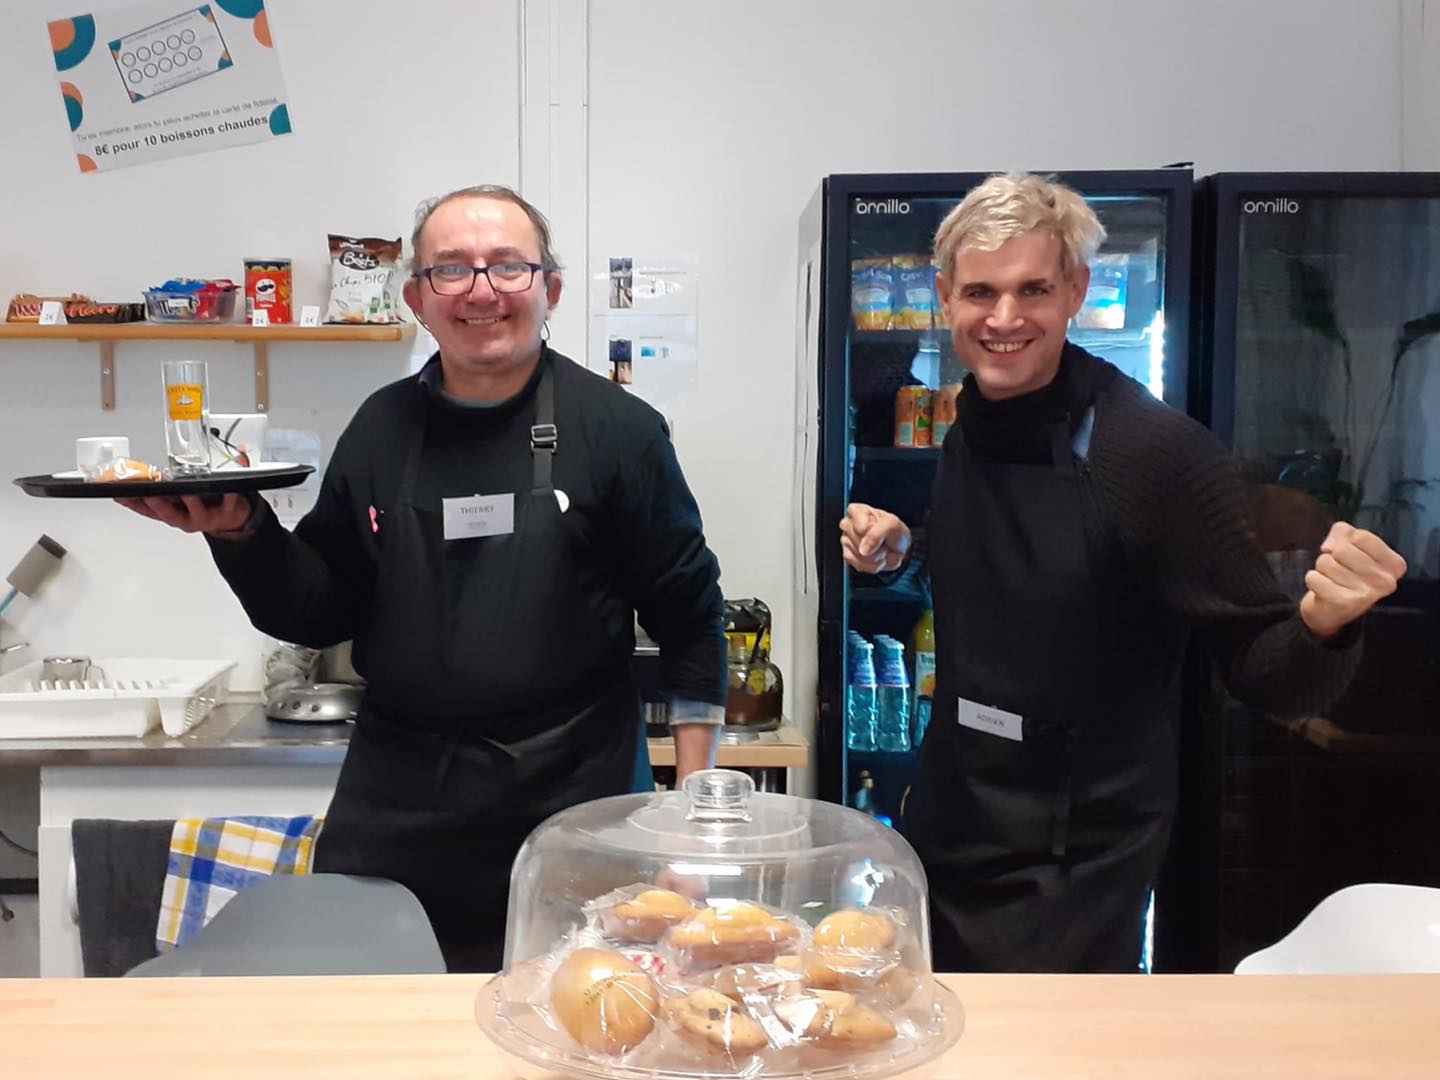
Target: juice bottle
{"points": [[923, 647]]}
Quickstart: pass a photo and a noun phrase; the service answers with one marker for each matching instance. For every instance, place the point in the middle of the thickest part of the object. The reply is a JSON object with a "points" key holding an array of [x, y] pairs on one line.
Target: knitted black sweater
{"points": [[1172, 532]]}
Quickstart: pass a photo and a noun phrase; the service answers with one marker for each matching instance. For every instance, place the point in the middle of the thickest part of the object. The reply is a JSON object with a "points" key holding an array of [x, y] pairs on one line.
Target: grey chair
{"points": [[310, 924]]}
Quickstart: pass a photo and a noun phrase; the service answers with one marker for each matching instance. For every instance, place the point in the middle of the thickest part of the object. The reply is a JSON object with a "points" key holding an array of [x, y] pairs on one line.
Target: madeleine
{"points": [[863, 931], [649, 915], [740, 934]]}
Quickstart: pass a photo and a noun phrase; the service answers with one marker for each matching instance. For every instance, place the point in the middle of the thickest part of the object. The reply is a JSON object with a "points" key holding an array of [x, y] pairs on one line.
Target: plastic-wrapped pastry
{"points": [[741, 980], [856, 1027], [603, 1000], [711, 1017], [122, 469], [808, 1015], [861, 930], [741, 933], [896, 986], [834, 1019], [844, 970], [851, 950], [648, 916]]}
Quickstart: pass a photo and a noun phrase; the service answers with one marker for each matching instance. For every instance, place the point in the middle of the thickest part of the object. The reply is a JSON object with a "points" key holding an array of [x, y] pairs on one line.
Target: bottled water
{"points": [[892, 697], [860, 696]]}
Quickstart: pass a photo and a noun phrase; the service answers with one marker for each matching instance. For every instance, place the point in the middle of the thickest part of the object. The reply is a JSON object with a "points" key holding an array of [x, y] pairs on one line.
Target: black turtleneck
{"points": [[1022, 429]]}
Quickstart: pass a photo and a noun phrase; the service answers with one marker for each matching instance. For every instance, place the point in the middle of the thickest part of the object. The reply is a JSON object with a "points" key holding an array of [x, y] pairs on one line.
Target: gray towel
{"points": [[119, 880]]}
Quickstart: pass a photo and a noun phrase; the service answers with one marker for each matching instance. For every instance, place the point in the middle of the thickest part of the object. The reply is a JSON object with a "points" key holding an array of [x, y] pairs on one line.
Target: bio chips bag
{"points": [[362, 280]]}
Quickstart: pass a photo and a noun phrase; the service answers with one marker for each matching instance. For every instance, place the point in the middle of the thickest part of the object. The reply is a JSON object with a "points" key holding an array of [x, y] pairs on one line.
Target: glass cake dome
{"points": [[717, 931]]}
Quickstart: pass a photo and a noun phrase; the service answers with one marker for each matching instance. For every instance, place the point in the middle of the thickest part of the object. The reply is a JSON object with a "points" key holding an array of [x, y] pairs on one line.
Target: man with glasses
{"points": [[487, 532]]}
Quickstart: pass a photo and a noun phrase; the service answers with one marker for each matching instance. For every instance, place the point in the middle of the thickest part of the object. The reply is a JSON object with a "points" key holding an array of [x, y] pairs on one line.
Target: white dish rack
{"points": [[121, 696]]}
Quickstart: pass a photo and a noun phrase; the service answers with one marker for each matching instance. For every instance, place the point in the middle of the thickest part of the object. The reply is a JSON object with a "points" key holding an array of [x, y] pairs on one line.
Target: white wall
{"points": [[711, 125], [363, 153], [1420, 29]]}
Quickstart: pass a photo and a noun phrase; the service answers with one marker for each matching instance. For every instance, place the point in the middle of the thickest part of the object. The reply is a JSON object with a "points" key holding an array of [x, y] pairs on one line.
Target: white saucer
{"points": [[259, 466]]}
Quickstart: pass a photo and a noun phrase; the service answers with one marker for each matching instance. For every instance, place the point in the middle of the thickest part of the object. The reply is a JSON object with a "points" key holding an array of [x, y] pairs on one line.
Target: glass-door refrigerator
{"points": [[1318, 361], [876, 378]]}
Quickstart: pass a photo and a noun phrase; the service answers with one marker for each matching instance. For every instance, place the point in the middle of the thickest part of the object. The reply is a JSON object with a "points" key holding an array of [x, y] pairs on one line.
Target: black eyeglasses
{"points": [[505, 277]]}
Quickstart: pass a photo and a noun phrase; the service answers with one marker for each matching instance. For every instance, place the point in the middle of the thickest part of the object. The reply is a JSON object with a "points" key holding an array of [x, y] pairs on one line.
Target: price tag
{"points": [[310, 315], [260, 317], [51, 313]]}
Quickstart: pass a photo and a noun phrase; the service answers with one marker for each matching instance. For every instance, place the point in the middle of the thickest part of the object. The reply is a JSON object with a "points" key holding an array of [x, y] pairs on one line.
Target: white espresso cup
{"points": [[94, 452], [236, 439]]}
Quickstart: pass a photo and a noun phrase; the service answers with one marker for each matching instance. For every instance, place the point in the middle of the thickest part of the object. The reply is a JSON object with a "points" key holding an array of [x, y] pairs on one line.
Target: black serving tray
{"points": [[267, 476]]}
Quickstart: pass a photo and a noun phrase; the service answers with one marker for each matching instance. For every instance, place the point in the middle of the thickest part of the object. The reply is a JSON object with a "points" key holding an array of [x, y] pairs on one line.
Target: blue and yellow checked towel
{"points": [[211, 859]]}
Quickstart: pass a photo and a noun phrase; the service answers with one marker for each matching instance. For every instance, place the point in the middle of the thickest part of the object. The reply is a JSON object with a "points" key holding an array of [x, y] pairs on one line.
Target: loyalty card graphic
{"points": [[155, 80], [170, 53]]}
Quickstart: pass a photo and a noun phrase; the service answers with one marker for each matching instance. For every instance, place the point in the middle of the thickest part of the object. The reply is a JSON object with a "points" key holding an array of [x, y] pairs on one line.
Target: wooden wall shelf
{"points": [[259, 337]]}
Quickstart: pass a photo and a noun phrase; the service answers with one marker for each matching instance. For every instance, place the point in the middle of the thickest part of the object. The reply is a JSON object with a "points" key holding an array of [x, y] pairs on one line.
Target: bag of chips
{"points": [[872, 293], [362, 272], [914, 291]]}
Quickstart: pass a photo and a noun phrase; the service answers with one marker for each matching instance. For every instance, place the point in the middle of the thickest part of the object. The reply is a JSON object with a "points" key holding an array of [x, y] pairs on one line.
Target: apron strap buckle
{"points": [[544, 435]]}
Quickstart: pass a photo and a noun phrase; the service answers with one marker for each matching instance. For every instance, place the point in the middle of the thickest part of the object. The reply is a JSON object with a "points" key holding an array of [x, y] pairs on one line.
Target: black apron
{"points": [[436, 792], [1040, 853]]}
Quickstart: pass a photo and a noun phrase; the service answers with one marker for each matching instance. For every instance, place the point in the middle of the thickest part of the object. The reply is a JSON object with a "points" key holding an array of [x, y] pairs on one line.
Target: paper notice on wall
{"points": [[644, 323], [144, 82], [654, 356]]}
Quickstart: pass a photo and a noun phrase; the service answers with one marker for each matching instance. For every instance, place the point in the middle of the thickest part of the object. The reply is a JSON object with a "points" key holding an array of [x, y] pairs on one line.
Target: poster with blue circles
{"points": [[144, 82]]}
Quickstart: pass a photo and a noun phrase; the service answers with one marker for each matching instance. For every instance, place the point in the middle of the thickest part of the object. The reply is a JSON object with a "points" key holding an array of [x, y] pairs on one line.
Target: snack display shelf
{"points": [[259, 337]]}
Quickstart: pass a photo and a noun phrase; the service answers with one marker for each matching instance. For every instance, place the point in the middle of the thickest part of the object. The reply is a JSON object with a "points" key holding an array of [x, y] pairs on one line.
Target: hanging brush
{"points": [[32, 571]]}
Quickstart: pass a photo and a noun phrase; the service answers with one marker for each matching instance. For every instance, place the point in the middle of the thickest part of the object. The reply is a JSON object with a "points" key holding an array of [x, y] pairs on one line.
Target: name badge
{"points": [[479, 515], [991, 720]]}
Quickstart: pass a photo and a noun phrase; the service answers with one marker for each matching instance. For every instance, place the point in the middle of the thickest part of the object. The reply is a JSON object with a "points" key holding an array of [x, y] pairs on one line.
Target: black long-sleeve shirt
{"points": [[1171, 492], [635, 527], [1172, 513]]}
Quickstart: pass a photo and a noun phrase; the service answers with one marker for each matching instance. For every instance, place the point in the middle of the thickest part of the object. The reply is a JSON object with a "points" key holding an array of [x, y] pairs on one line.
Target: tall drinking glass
{"points": [[187, 415]]}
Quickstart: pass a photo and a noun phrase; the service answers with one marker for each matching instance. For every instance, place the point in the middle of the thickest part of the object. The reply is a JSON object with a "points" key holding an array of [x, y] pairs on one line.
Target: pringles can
{"points": [[267, 288]]}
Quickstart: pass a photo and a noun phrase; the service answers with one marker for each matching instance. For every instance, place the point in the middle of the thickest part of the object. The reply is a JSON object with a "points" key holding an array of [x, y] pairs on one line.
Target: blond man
{"points": [[1080, 531]]}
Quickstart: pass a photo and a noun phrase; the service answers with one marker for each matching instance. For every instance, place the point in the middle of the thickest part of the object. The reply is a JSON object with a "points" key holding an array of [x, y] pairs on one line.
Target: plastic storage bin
{"points": [[213, 304], [121, 696]]}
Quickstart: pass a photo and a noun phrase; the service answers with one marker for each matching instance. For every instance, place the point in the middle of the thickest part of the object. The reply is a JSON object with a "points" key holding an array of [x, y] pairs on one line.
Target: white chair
{"points": [[1361, 930]]}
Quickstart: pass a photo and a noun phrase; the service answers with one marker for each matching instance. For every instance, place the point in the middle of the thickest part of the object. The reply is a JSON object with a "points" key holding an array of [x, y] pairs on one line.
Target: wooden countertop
{"points": [[1071, 1027], [783, 748]]}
